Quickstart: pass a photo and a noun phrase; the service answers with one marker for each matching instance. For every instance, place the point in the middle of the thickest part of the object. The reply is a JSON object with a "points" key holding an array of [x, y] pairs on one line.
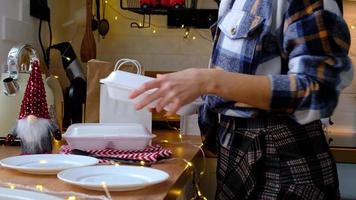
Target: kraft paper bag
{"points": [[97, 70]]}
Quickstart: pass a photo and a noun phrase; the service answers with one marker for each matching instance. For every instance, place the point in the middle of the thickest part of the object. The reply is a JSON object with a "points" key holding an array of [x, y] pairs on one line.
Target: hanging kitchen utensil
{"points": [[88, 47], [104, 23], [94, 24], [95, 21]]}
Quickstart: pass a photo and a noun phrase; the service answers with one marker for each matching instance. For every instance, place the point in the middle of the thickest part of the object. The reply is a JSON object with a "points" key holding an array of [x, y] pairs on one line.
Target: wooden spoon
{"points": [[88, 48]]}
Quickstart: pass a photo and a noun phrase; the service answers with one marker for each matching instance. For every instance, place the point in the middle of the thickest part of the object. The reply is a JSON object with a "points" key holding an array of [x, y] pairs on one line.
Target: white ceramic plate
{"points": [[46, 163], [14, 194], [116, 178]]}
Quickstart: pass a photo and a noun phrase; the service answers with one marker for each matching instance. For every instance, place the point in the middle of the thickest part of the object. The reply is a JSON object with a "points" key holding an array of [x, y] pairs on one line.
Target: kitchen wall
{"points": [[17, 27], [164, 50]]}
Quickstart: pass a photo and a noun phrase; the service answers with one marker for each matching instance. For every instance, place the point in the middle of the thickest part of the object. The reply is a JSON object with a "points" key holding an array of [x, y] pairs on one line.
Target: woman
{"points": [[277, 68]]}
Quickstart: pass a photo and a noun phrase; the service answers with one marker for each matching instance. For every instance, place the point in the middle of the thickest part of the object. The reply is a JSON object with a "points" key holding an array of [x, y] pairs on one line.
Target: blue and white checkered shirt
{"points": [[302, 46]]}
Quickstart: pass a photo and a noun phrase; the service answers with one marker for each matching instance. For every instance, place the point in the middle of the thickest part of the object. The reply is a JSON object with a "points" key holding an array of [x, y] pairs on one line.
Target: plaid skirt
{"points": [[274, 158]]}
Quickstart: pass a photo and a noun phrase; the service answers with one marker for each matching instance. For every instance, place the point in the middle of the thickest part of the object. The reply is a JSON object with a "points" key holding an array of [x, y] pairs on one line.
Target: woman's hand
{"points": [[180, 88], [175, 89]]}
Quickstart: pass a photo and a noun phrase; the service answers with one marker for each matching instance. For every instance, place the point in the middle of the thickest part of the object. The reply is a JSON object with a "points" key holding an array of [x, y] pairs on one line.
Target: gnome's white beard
{"points": [[32, 133]]}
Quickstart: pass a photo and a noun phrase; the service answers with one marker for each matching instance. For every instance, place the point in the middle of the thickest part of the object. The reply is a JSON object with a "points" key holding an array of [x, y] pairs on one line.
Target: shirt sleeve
{"points": [[316, 43]]}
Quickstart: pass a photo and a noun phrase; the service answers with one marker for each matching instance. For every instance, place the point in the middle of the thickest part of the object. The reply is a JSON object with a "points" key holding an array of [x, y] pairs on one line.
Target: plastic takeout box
{"points": [[121, 84], [122, 136]]}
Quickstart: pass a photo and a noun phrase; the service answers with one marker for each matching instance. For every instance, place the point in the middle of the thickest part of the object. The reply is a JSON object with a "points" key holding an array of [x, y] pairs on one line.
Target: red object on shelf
{"points": [[162, 3]]}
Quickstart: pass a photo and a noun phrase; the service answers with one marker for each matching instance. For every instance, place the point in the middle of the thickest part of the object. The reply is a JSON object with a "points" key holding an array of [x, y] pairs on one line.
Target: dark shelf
{"points": [[187, 14], [156, 11], [197, 18], [135, 6]]}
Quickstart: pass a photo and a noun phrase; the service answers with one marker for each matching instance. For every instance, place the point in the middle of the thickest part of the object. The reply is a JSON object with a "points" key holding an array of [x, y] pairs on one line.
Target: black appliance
{"points": [[75, 94]]}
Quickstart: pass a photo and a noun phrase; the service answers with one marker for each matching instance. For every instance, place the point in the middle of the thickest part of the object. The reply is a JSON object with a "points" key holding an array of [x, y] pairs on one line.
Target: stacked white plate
{"points": [[15, 194]]}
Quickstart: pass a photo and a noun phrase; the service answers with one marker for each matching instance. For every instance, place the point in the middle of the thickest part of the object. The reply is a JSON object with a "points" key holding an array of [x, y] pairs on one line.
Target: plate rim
{"points": [[94, 185], [42, 194], [25, 168]]}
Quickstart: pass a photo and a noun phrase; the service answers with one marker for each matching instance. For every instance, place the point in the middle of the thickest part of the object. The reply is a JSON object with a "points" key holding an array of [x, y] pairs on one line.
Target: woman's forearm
{"points": [[248, 89]]}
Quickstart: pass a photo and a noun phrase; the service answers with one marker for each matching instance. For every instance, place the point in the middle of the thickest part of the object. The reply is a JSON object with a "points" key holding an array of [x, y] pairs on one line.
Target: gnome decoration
{"points": [[34, 125]]}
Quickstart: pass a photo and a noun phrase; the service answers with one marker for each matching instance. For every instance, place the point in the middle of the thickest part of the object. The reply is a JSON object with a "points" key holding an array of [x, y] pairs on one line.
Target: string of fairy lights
{"points": [[190, 165]]}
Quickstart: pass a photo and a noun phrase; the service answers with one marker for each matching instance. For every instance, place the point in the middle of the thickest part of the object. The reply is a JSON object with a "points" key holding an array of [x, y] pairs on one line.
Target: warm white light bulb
{"points": [[194, 38], [103, 183], [71, 198], [39, 188], [353, 27], [116, 17], [67, 58], [189, 164], [154, 31], [12, 186], [43, 161]]}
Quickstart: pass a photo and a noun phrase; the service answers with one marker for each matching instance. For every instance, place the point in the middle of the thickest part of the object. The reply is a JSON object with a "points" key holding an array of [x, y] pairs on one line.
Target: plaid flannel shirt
{"points": [[302, 46]]}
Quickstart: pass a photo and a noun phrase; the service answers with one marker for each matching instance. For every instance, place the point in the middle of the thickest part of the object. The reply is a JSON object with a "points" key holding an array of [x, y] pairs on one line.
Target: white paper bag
{"points": [[116, 111]]}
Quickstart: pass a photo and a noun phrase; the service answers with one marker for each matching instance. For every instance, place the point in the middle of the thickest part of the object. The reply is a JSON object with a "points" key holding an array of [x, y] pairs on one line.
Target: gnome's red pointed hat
{"points": [[34, 101]]}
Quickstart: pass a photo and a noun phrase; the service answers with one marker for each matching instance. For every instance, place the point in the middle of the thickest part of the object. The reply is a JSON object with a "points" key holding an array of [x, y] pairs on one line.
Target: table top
{"points": [[177, 169]]}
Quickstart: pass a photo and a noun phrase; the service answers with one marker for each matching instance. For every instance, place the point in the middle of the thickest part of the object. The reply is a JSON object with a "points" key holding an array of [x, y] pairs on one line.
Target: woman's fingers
{"points": [[145, 87], [165, 101], [172, 89], [149, 99], [174, 107]]}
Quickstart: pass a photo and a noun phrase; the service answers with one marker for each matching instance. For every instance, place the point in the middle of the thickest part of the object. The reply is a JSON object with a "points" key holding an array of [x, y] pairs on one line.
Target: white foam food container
{"points": [[122, 136], [121, 84]]}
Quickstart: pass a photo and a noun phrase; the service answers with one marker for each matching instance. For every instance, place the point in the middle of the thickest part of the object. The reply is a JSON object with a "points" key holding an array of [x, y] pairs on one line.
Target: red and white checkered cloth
{"points": [[149, 154]]}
